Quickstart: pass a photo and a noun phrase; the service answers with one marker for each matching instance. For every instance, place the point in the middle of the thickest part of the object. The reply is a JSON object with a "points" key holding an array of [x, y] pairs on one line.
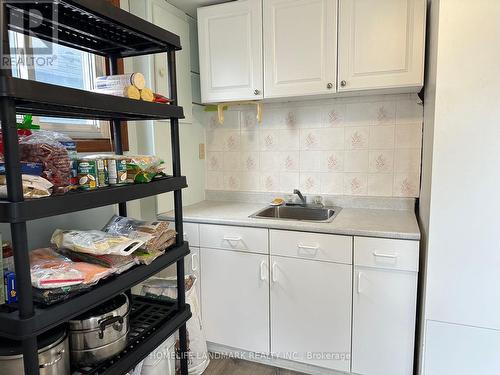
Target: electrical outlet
{"points": [[201, 151]]}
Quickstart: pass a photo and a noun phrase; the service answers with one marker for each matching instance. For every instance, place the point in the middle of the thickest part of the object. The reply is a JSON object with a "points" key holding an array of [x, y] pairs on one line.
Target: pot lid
{"points": [[13, 347]]}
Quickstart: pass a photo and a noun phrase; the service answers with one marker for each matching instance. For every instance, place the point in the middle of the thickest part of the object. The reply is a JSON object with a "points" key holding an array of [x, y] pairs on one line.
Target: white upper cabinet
{"points": [[300, 47], [381, 44], [230, 42]]}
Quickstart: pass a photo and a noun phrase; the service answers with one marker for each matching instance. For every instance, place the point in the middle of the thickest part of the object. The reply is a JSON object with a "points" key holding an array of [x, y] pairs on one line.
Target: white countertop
{"points": [[384, 223]]}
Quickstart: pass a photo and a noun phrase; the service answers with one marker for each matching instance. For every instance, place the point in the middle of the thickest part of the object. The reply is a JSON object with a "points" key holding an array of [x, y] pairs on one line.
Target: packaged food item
{"points": [[87, 174], [33, 169], [142, 168], [148, 257], [95, 242], [10, 287], [130, 92], [48, 297], [147, 95], [44, 148], [102, 172], [117, 171], [7, 257], [98, 164], [161, 99], [33, 186], [120, 81], [52, 270], [157, 233], [117, 263]]}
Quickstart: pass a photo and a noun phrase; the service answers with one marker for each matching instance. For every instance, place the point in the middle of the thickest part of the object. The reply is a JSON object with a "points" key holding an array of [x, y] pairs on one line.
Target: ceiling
{"points": [[190, 6]]}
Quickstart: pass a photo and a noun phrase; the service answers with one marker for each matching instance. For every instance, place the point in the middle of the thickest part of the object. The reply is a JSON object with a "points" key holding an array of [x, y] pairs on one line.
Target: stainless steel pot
{"points": [[100, 333], [53, 357]]}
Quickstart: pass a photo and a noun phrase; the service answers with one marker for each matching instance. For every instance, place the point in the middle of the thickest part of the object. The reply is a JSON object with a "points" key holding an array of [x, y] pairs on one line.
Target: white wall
{"points": [[461, 182]]}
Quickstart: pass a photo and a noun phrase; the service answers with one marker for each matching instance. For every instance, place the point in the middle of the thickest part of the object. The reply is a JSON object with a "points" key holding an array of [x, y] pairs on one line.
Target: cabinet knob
{"points": [[162, 72], [329, 86], [343, 83], [256, 92]]}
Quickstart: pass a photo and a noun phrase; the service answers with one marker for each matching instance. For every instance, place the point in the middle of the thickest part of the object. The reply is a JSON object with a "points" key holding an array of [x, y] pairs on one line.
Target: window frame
{"points": [[88, 137]]}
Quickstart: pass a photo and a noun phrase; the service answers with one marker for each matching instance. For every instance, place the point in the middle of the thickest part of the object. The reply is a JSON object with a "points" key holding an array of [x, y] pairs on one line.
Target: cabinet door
{"points": [[381, 44], [300, 47], [235, 299], [383, 321], [311, 311], [230, 38]]}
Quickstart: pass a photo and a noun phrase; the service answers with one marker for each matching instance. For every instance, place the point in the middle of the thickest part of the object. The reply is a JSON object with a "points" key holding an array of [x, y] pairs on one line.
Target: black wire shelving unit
{"points": [[102, 29]]}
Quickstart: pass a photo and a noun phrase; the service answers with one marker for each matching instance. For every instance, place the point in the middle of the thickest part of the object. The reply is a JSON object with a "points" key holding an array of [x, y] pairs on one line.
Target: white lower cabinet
{"points": [[235, 299], [384, 306], [311, 311]]}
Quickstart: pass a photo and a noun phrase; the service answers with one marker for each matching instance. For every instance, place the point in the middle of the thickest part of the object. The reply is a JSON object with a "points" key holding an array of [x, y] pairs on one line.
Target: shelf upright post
{"points": [[117, 131], [176, 160], [15, 194]]}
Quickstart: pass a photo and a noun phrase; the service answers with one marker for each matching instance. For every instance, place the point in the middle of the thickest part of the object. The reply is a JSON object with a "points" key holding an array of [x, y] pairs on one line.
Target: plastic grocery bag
{"points": [[46, 148], [95, 242], [52, 270], [198, 359]]}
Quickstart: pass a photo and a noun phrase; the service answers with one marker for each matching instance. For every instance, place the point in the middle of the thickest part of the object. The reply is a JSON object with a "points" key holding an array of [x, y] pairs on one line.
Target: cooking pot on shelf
{"points": [[53, 354], [100, 333]]}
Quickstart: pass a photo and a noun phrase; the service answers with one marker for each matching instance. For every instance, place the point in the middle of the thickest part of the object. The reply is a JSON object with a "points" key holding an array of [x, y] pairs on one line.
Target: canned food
{"points": [[87, 174], [102, 173], [117, 171]]}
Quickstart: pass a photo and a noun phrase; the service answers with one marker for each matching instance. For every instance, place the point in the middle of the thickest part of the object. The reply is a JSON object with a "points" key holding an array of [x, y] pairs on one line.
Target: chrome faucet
{"points": [[302, 198]]}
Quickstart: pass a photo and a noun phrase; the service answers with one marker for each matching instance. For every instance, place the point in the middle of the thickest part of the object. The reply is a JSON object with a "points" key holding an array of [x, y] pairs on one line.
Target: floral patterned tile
{"points": [[355, 183], [270, 182], [250, 161], [214, 161], [232, 181], [310, 183], [381, 161], [356, 138], [334, 115], [332, 161], [231, 140], [406, 185]]}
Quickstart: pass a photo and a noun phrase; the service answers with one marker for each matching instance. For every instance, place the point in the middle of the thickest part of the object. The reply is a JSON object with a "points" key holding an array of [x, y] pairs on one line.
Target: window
{"points": [[69, 67]]}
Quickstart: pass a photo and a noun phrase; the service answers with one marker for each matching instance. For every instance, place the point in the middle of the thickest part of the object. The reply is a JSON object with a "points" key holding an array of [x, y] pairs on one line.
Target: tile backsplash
{"points": [[365, 146]]}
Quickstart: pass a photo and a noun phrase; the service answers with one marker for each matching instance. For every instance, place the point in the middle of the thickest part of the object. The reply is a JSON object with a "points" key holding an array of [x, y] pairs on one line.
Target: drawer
{"points": [[191, 233], [325, 247], [386, 253], [234, 238]]}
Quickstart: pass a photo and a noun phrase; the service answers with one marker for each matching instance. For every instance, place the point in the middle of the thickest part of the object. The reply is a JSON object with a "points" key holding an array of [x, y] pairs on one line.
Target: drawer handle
{"points": [[194, 264], [307, 247], [382, 255], [262, 271], [231, 239], [358, 288], [274, 273]]}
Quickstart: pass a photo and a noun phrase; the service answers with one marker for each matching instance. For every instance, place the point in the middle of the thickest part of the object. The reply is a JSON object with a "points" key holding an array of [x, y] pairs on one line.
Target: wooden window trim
{"points": [[105, 144]]}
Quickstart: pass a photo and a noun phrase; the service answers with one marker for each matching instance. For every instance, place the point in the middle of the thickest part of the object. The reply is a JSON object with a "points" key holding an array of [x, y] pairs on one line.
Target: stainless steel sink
{"points": [[316, 214]]}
